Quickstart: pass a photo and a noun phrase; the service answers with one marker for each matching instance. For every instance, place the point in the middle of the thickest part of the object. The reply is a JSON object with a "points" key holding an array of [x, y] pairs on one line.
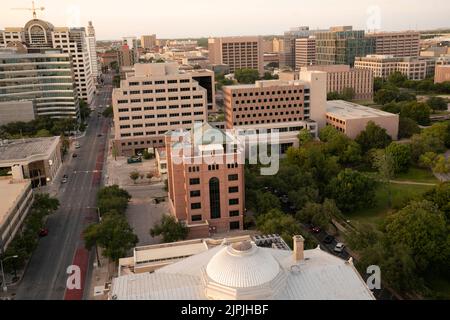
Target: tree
{"points": [[384, 96], [108, 112], [348, 94], [437, 103], [422, 228], [351, 190], [265, 201], [400, 155], [423, 143], [440, 196], [246, 76], [112, 198], [85, 111], [319, 214], [113, 234], [269, 76], [45, 203], [277, 222], [407, 128], [420, 112], [305, 136], [339, 145], [384, 162], [373, 137], [134, 176], [170, 229], [334, 95], [397, 79], [377, 84], [43, 133]]}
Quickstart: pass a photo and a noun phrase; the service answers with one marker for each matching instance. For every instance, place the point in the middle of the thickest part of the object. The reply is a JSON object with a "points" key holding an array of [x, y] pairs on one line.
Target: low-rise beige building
{"points": [[205, 180], [352, 119], [37, 159], [340, 77], [277, 105], [156, 98], [237, 52], [16, 200], [161, 161], [384, 65], [442, 73]]}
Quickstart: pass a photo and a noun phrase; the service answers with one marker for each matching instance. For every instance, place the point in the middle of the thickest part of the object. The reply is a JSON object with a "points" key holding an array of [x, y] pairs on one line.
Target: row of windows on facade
{"points": [[163, 115], [136, 143], [148, 91], [158, 82], [241, 123], [280, 106], [298, 98], [123, 101], [197, 193], [213, 167], [196, 181], [254, 115], [152, 133], [198, 205], [151, 108], [268, 93], [158, 124]]}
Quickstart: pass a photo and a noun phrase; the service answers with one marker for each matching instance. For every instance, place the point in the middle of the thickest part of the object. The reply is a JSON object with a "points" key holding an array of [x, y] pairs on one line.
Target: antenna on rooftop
{"points": [[33, 9]]}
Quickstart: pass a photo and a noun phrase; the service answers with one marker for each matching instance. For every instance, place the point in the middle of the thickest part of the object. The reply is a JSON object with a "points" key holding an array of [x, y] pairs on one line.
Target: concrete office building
{"points": [[340, 45], [41, 34], [340, 77], [37, 159], [17, 198], [288, 55], [44, 78], [148, 42], [384, 66], [305, 52], [397, 44], [351, 118], [152, 100], [240, 269], [442, 73], [237, 52], [285, 106], [91, 42], [205, 179]]}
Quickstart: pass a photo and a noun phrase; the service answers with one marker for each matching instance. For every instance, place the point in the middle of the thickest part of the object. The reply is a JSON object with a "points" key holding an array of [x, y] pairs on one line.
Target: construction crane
{"points": [[33, 9]]}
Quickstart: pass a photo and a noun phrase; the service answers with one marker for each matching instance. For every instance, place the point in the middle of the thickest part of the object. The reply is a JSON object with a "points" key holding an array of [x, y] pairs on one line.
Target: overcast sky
{"points": [[197, 18]]}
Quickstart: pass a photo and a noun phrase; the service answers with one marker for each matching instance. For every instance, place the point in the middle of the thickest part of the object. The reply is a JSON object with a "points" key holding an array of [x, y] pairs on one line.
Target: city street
{"points": [[46, 274]]}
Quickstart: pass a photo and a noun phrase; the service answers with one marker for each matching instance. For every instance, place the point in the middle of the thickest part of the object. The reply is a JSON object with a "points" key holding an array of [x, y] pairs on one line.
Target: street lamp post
{"points": [[5, 288]]}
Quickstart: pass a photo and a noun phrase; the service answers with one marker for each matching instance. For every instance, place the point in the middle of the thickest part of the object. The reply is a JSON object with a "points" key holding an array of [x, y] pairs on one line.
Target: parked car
{"points": [[43, 233], [74, 155], [100, 135], [328, 239], [65, 179], [339, 247], [77, 145], [134, 159]]}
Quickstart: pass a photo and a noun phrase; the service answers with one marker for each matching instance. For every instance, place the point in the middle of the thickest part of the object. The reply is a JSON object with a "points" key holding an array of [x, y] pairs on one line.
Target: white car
{"points": [[339, 247]]}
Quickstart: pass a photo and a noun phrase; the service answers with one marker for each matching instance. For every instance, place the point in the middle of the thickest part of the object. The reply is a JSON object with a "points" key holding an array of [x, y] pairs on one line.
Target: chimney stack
{"points": [[298, 248]]}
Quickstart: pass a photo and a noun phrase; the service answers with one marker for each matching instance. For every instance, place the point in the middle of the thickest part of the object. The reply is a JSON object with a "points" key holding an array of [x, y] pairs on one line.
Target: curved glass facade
{"points": [[45, 78]]}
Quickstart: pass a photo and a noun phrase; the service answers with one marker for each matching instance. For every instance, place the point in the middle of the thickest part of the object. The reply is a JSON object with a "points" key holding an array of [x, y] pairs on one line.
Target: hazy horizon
{"points": [[204, 18]]}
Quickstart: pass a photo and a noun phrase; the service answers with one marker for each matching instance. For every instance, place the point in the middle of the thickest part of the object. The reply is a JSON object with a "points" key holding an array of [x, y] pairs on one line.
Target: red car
{"points": [[43, 233]]}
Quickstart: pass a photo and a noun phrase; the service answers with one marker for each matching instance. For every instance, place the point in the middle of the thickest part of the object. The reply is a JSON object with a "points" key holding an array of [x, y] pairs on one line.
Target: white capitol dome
{"points": [[245, 266]]}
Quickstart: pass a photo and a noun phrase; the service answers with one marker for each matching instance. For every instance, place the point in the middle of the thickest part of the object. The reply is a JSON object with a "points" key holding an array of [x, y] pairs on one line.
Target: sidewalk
{"points": [[101, 278]]}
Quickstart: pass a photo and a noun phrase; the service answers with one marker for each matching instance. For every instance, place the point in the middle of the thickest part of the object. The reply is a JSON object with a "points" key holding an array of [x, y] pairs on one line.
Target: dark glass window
{"points": [[195, 193], [233, 189], [197, 217], [234, 225], [214, 198], [194, 181], [233, 201], [197, 205], [233, 177], [234, 213]]}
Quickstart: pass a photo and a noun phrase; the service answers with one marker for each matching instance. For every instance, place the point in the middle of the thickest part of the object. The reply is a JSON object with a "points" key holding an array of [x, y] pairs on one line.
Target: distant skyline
{"points": [[203, 18]]}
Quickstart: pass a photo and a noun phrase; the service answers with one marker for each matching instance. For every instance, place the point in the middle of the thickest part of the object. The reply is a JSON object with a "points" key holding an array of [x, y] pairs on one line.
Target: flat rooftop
{"points": [[22, 149], [349, 110], [9, 194]]}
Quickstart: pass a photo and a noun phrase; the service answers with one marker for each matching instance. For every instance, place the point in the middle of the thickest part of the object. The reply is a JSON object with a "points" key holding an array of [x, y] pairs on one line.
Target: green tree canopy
{"points": [[277, 222], [170, 229], [407, 128], [437, 103], [373, 137], [401, 156], [113, 234], [246, 76], [351, 190]]}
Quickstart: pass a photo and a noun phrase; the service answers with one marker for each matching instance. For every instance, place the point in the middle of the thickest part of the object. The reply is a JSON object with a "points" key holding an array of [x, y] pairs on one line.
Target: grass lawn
{"points": [[417, 175], [401, 194]]}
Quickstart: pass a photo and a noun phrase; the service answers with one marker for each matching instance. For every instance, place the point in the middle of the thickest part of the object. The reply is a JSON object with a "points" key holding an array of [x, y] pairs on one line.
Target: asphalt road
{"points": [[46, 277]]}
